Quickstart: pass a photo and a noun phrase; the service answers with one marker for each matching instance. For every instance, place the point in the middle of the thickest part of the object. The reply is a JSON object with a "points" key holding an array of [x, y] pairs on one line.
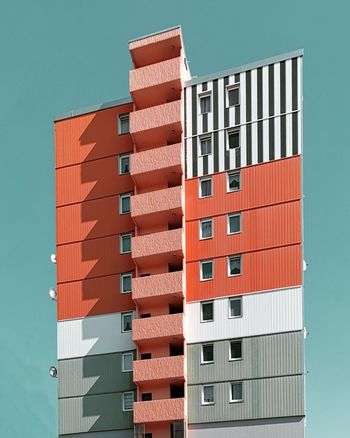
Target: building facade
{"points": [[179, 253]]}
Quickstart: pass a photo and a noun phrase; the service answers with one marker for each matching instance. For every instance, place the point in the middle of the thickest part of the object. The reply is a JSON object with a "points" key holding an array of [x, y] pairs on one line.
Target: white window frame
{"points": [[122, 321], [230, 88], [204, 402], [200, 180], [123, 401], [235, 359], [121, 197], [206, 93], [121, 242], [229, 216], [228, 181], [230, 131], [132, 358], [232, 256], [200, 270], [204, 362], [207, 302], [122, 276], [120, 118], [120, 158], [231, 393], [201, 221], [229, 307], [205, 137]]}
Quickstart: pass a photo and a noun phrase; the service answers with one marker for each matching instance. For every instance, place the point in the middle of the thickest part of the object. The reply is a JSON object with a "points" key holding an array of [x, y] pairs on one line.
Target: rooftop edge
{"points": [[154, 33]]}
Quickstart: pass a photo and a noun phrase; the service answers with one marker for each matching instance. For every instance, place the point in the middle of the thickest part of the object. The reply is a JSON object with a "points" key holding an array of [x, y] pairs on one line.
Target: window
{"points": [[125, 282], [233, 181], [128, 401], [205, 146], [205, 103], [148, 435], [207, 353], [236, 392], [146, 396], [208, 395], [123, 125], [235, 307], [207, 311], [124, 203], [124, 164], [233, 138], [126, 322], [206, 270], [232, 95], [234, 223], [206, 229], [234, 265], [127, 359], [236, 350], [125, 243], [205, 187], [145, 356]]}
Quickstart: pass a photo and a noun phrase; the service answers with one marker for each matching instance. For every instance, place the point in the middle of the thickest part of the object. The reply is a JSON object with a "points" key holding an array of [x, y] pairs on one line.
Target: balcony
{"points": [[161, 287], [158, 328], [159, 410], [156, 126], [162, 368], [156, 84]]}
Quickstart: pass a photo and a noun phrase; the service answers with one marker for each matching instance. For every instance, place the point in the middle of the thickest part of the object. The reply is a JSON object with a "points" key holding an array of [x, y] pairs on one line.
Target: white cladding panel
{"points": [[93, 335], [274, 311]]}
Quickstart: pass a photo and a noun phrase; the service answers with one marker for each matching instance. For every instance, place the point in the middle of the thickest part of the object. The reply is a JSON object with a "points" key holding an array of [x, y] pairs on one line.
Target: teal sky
{"points": [[59, 55]]}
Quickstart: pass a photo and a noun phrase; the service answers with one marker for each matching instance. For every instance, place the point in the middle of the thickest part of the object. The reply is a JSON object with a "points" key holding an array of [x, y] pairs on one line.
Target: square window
{"points": [[205, 187], [123, 125], [234, 223], [208, 395], [236, 350], [126, 322], [125, 282], [207, 353], [205, 144], [127, 359], [146, 396], [125, 243], [233, 181], [233, 139], [128, 401], [124, 164], [145, 356], [233, 95], [236, 392], [124, 203], [206, 229], [205, 103], [234, 265], [206, 270], [235, 307], [207, 311]]}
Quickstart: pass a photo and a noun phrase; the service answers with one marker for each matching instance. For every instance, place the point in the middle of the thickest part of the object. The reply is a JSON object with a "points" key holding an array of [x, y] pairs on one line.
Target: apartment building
{"points": [[179, 252]]}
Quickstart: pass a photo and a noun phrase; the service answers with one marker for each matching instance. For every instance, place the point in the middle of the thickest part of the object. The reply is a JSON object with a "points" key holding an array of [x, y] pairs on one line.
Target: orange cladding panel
{"points": [[90, 136]]}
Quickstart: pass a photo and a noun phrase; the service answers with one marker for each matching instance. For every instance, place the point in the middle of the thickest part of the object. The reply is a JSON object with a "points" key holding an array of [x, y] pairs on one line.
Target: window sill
{"points": [[236, 360], [207, 363], [205, 238], [236, 401], [208, 404], [207, 279]]}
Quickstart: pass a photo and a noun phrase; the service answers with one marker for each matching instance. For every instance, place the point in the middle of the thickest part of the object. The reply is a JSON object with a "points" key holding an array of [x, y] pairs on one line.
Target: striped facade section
{"points": [[268, 118]]}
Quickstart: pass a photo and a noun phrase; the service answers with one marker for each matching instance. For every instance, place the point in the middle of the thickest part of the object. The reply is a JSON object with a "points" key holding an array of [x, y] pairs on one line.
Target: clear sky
{"points": [[66, 54]]}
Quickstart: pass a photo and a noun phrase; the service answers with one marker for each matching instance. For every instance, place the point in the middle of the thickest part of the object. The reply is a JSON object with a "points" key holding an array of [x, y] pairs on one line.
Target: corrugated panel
{"points": [[92, 296], [261, 185], [93, 413], [274, 427], [263, 313], [262, 356], [93, 375], [261, 228], [91, 136], [263, 398], [91, 258], [94, 335], [127, 433], [90, 180], [261, 270]]}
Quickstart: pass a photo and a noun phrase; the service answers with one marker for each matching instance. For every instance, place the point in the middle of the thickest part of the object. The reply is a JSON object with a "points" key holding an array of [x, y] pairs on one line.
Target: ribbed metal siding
{"points": [[127, 433], [263, 356], [93, 413], [93, 375], [263, 398]]}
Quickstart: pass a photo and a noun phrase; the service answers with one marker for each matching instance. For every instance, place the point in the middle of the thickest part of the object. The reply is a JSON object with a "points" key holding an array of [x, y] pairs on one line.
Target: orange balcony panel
{"points": [[159, 410], [157, 328], [163, 165], [161, 368], [157, 286]]}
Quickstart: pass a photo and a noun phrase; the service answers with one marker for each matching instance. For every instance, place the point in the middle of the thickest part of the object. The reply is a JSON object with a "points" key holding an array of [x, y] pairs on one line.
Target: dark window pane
{"points": [[235, 265], [126, 243], [235, 223], [236, 349], [236, 307], [126, 283], [124, 165], [127, 321], [234, 181], [125, 204], [208, 353], [206, 229], [233, 139], [124, 124], [236, 391], [208, 394], [233, 97], [205, 104], [207, 270], [207, 311], [205, 146], [206, 187], [146, 396]]}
